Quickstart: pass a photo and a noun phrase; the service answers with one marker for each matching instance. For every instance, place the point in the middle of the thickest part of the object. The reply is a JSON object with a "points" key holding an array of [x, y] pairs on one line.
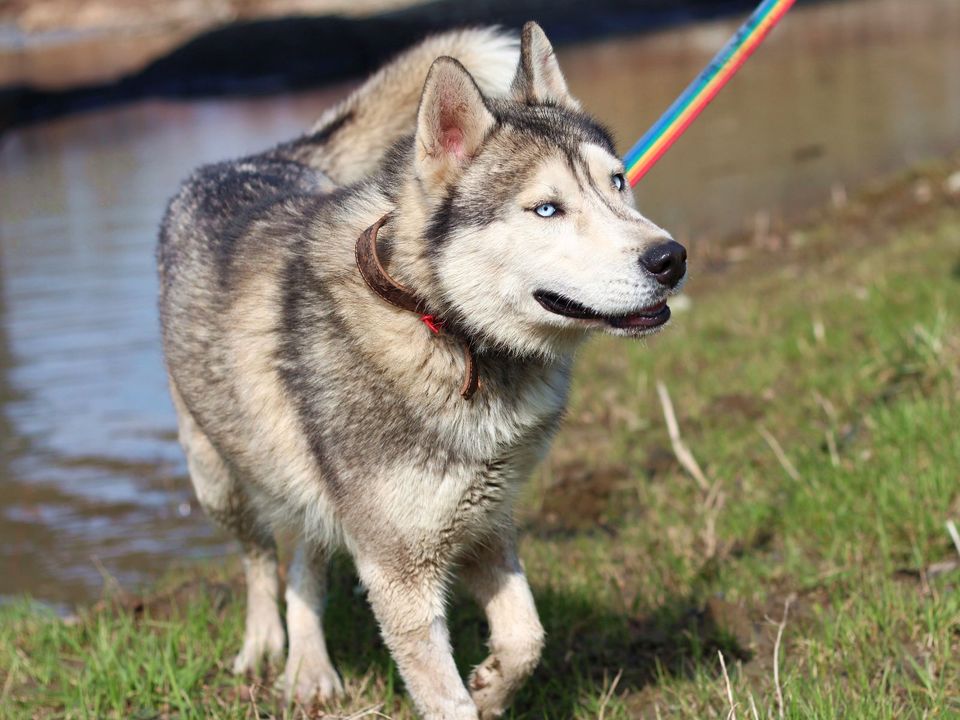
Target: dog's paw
{"points": [[488, 689], [266, 641], [306, 680], [457, 711]]}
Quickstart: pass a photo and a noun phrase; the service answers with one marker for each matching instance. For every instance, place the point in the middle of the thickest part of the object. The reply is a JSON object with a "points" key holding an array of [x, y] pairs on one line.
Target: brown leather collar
{"points": [[379, 281]]}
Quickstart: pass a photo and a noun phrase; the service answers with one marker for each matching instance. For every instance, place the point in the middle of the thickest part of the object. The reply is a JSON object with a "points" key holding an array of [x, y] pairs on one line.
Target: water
{"points": [[93, 480], [92, 475]]}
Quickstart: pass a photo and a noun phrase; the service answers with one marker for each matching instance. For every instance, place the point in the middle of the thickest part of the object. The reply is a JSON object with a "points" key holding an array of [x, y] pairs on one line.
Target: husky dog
{"points": [[369, 333]]}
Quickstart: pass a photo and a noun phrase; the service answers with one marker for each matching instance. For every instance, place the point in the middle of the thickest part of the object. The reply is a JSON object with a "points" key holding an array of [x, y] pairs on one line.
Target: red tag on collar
{"points": [[431, 322]]}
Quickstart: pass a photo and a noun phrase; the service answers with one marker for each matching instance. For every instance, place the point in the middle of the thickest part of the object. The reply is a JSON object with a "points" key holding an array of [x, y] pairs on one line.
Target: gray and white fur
{"points": [[306, 402]]}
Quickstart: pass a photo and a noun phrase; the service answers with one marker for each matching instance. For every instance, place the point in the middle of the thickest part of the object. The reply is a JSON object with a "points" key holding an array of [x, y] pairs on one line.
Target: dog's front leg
{"points": [[409, 601], [309, 674], [494, 576]]}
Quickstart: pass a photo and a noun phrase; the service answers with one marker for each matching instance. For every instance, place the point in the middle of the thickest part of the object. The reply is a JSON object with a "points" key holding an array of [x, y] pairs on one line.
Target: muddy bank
{"points": [[98, 58]]}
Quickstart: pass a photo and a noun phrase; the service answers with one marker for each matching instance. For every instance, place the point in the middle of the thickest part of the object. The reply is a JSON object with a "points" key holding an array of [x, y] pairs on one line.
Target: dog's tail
{"points": [[349, 140]]}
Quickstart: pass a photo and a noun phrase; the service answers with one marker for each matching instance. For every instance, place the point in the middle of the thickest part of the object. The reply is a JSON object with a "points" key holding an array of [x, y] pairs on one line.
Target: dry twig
{"points": [[372, 711], [682, 452], [785, 463], [609, 694], [253, 700], [712, 507], [776, 653], [954, 535], [8, 683], [732, 715]]}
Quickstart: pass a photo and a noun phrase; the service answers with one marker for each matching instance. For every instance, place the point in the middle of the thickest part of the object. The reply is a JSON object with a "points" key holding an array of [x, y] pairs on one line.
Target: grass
{"points": [[841, 340]]}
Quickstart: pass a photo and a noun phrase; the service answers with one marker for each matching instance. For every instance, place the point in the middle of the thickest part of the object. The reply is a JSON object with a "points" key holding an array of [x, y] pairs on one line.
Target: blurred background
{"points": [[105, 105]]}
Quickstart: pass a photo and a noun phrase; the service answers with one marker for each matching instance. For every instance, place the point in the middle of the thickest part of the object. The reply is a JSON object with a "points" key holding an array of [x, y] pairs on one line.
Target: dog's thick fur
{"points": [[306, 401]]}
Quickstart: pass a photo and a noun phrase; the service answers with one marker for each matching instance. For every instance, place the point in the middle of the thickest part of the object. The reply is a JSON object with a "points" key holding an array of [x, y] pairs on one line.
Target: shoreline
{"points": [[54, 73]]}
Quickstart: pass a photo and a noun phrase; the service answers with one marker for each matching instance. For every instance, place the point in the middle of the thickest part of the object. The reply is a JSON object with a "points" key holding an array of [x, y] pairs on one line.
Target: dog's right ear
{"points": [[539, 80], [452, 123]]}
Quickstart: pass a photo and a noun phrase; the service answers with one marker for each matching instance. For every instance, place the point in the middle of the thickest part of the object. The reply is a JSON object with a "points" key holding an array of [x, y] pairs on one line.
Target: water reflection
{"points": [[90, 467], [92, 474]]}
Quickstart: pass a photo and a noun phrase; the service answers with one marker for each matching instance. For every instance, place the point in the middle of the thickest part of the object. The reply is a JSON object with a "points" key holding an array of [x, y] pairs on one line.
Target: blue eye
{"points": [[546, 210], [618, 181]]}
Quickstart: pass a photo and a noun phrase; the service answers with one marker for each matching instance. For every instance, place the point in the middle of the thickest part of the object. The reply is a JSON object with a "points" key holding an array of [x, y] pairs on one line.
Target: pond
{"points": [[93, 480]]}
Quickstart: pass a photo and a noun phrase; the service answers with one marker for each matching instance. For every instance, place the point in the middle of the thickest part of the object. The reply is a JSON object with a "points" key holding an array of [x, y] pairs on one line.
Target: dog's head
{"points": [[532, 235]]}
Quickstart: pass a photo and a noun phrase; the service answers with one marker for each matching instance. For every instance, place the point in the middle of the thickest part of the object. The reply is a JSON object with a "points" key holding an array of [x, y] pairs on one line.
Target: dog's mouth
{"points": [[644, 318]]}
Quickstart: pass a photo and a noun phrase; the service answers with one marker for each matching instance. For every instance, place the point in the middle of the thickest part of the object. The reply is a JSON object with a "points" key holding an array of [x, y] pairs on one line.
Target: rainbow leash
{"points": [[685, 109]]}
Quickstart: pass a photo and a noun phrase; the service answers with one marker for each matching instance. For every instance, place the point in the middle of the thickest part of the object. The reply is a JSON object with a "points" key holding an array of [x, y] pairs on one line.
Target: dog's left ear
{"points": [[452, 122], [539, 80]]}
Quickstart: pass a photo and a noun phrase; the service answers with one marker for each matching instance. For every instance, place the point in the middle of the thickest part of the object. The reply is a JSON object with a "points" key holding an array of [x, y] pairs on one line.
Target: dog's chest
{"points": [[495, 443], [508, 417], [452, 469]]}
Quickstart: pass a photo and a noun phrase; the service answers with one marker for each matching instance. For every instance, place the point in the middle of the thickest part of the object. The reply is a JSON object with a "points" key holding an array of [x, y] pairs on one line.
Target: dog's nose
{"points": [[666, 262]]}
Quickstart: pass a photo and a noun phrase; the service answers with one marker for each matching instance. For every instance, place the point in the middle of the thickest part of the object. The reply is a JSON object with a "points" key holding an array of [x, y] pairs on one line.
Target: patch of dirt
{"points": [[166, 604], [678, 639], [865, 220], [578, 497], [744, 633], [716, 626], [736, 405], [659, 460], [923, 575]]}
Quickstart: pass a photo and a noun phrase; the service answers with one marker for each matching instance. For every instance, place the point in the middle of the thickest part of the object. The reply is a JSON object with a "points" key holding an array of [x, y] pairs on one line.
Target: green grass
{"points": [[844, 345]]}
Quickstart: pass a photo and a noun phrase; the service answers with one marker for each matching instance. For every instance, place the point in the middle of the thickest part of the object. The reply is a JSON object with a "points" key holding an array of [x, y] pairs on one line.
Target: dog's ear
{"points": [[452, 122], [538, 80]]}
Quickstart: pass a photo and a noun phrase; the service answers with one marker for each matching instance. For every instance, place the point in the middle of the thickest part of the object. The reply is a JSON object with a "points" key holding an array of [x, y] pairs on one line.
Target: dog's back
{"points": [[207, 241], [348, 142]]}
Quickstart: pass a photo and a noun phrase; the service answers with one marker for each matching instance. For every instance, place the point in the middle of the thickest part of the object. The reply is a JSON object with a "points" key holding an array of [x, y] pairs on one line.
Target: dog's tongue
{"points": [[648, 317]]}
